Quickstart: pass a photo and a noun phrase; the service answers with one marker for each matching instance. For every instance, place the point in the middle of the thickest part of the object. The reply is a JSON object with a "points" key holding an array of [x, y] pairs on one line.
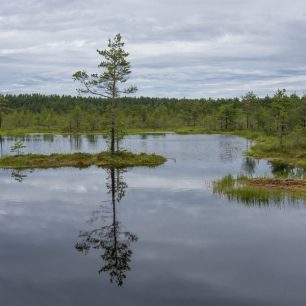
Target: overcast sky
{"points": [[194, 48]]}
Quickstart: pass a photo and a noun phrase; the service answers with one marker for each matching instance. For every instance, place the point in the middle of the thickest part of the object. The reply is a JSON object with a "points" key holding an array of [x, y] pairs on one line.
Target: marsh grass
{"points": [[260, 191], [81, 160]]}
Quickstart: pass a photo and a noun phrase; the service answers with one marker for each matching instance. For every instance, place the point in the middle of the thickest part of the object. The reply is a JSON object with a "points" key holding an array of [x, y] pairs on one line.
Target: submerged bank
{"points": [[103, 159]]}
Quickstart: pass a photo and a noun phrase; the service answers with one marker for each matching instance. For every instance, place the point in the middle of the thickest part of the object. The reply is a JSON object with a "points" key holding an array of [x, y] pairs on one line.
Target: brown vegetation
{"points": [[273, 184]]}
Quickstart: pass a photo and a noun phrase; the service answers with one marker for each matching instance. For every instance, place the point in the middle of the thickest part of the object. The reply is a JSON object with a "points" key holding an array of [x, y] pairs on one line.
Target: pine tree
{"points": [[108, 84]]}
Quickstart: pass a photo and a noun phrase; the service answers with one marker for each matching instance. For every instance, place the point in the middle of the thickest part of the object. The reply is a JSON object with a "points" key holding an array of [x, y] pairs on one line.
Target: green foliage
{"points": [[227, 115], [282, 117], [249, 106], [76, 118], [4, 107], [280, 107], [115, 70]]}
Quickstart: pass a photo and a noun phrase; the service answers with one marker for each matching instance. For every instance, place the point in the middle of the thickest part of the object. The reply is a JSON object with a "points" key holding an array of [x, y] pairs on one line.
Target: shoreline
{"points": [[265, 147]]}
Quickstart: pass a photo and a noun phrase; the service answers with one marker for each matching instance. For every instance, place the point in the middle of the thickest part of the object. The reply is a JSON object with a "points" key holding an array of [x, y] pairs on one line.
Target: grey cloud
{"points": [[195, 49]]}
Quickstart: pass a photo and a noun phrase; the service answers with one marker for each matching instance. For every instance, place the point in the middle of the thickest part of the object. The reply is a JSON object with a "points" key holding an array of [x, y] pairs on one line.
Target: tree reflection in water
{"points": [[1, 146], [249, 165], [20, 174], [109, 238], [280, 169]]}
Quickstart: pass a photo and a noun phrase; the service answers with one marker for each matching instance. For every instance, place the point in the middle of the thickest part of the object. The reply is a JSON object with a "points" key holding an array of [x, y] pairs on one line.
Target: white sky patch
{"points": [[198, 48], [151, 182]]}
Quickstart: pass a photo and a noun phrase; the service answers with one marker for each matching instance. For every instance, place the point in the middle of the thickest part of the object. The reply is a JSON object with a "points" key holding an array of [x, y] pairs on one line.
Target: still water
{"points": [[146, 236]]}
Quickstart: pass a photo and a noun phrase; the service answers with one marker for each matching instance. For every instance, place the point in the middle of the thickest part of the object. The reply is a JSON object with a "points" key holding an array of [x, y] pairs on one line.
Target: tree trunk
{"points": [[248, 121], [117, 141], [282, 128], [1, 146], [113, 120]]}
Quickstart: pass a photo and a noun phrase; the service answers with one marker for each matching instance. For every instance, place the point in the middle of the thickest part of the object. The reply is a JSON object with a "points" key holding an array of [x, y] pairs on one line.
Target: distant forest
{"points": [[280, 115]]}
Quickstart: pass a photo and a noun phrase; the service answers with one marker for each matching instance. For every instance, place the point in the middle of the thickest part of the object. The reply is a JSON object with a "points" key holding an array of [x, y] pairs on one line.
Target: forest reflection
{"points": [[109, 238]]}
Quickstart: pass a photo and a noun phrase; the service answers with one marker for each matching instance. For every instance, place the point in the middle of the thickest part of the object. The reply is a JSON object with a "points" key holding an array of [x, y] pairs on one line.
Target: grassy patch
{"points": [[103, 159]]}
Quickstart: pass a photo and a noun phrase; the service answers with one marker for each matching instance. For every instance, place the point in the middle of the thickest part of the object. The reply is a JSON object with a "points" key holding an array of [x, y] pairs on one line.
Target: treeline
{"points": [[281, 115]]}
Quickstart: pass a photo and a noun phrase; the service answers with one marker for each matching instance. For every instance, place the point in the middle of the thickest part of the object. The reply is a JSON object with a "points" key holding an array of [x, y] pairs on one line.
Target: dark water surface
{"points": [[157, 236]]}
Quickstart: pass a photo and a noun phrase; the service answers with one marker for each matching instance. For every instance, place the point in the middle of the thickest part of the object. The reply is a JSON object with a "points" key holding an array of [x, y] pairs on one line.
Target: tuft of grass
{"points": [[225, 183], [81, 160]]}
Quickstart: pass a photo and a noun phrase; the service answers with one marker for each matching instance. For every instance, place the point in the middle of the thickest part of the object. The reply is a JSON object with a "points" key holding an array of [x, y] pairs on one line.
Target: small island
{"points": [[104, 159]]}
